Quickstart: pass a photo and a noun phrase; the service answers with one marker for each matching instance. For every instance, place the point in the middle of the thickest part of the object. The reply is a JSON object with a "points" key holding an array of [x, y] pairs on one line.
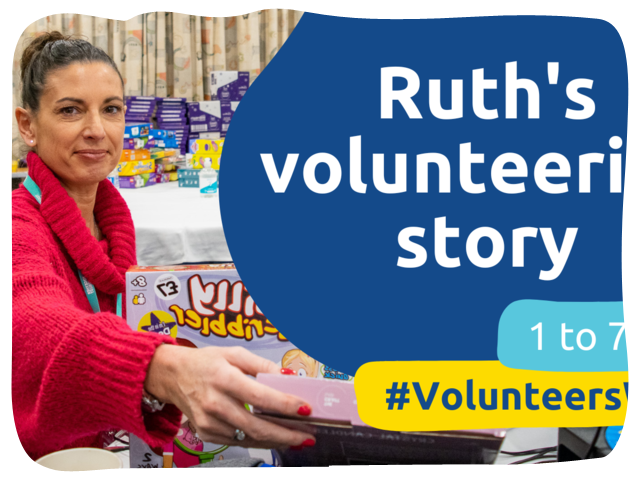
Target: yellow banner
{"points": [[430, 396]]}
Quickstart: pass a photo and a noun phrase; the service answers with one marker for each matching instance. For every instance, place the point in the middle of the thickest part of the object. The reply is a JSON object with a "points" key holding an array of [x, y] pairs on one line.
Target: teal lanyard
{"points": [[89, 289]]}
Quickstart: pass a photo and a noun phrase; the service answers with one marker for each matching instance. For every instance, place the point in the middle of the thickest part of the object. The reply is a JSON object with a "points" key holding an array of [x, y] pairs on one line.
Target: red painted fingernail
{"points": [[287, 371], [309, 442], [296, 447], [304, 410]]}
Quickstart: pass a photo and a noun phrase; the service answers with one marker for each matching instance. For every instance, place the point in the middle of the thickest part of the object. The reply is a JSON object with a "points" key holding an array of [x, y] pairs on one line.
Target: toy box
{"points": [[138, 181], [128, 169], [158, 153], [205, 116], [228, 109], [229, 86], [205, 136], [342, 438], [135, 155], [203, 151], [134, 130], [188, 178], [138, 143], [202, 305]]}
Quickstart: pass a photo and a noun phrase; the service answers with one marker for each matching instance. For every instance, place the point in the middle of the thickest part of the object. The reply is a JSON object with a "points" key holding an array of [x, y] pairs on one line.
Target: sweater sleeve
{"points": [[74, 373]]}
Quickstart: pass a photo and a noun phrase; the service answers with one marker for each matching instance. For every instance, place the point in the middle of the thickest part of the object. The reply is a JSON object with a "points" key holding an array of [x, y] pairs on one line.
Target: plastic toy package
{"points": [[199, 306]]}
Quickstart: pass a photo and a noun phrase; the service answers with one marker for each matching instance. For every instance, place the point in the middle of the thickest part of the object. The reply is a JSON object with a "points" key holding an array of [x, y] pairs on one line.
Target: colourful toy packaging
{"points": [[188, 178], [138, 181], [128, 169], [202, 150], [134, 130], [158, 153], [135, 155], [229, 86], [138, 143], [228, 109], [199, 306], [205, 116], [205, 136]]}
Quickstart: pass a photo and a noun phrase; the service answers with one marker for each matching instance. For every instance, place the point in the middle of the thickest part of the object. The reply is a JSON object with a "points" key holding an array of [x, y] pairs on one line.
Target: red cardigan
{"points": [[76, 373]]}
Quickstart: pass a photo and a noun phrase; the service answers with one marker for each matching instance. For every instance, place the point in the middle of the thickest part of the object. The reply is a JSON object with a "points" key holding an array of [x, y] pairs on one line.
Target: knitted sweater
{"points": [[76, 373]]}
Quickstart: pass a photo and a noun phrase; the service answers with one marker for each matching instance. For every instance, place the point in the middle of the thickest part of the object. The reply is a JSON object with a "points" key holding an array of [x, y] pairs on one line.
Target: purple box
{"points": [[228, 109], [204, 136], [172, 101], [142, 99], [172, 125], [205, 116], [138, 181], [181, 107], [229, 86], [138, 143]]}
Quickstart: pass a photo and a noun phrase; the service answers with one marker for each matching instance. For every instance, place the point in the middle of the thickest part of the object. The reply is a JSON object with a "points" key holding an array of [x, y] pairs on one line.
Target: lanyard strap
{"points": [[87, 286]]}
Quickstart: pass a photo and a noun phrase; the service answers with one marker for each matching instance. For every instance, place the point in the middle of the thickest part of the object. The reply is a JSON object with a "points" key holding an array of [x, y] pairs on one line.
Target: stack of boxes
{"points": [[228, 88], [136, 168], [155, 155], [172, 115], [209, 122], [139, 109], [149, 156]]}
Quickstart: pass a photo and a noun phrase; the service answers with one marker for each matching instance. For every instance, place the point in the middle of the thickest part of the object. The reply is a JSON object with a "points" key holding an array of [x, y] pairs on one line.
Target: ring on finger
{"points": [[239, 435]]}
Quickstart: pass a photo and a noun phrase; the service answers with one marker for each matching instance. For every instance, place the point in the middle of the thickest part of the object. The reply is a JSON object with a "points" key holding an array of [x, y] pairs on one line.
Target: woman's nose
{"points": [[94, 128]]}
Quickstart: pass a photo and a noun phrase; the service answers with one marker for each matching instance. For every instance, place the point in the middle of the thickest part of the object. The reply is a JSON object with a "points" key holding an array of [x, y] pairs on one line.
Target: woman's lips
{"points": [[91, 154]]}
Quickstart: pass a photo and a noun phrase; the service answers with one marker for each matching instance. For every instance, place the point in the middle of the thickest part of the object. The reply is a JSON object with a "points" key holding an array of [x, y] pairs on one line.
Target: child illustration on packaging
{"points": [[301, 363]]}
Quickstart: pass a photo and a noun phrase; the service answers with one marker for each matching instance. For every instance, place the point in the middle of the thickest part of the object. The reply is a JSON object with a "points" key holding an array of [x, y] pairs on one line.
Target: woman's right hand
{"points": [[210, 386]]}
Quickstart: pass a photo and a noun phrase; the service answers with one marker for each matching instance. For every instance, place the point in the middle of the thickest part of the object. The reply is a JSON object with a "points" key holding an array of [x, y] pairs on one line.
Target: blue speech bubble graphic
{"points": [[563, 336], [389, 190]]}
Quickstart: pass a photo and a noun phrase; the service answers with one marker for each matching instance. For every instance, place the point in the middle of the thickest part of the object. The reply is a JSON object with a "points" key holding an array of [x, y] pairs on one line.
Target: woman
{"points": [[78, 369]]}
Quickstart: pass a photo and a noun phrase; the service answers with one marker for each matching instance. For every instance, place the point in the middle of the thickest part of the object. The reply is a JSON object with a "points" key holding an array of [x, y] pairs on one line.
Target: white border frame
{"points": [[621, 14]]}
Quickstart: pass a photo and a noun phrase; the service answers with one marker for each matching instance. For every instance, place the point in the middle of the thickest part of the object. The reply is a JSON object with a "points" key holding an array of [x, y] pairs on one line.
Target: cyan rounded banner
{"points": [[388, 189]]}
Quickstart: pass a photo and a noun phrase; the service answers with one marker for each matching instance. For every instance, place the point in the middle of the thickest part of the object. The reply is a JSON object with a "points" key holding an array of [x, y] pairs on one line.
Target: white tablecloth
{"points": [[176, 225]]}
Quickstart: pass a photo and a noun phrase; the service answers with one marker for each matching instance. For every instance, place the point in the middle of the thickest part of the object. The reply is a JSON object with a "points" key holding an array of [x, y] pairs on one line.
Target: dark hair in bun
{"points": [[51, 51]]}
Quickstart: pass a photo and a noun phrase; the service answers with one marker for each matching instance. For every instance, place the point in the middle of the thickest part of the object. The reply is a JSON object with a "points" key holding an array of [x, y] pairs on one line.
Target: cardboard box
{"points": [[135, 155], [228, 85], [138, 181], [138, 143], [158, 153], [131, 168], [199, 306], [205, 116], [342, 438], [188, 182], [134, 130], [228, 109], [204, 136], [205, 149]]}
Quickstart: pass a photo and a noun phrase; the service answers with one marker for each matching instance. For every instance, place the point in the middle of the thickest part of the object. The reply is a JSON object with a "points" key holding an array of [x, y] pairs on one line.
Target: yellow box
{"points": [[206, 149], [128, 169], [131, 155], [162, 153]]}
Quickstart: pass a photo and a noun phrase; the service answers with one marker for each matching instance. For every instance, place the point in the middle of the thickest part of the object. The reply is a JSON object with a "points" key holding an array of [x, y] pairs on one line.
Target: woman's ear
{"points": [[26, 126]]}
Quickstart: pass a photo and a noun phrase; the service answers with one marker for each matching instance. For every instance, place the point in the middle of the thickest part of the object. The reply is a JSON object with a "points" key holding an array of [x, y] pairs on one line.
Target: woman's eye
{"points": [[302, 373], [68, 110], [113, 110]]}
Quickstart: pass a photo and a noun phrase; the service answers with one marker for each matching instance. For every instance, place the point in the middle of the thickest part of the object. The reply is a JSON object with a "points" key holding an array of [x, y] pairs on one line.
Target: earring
{"points": [[30, 141]]}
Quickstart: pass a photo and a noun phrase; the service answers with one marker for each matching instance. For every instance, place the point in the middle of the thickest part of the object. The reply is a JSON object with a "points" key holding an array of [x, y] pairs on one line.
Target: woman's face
{"points": [[79, 127]]}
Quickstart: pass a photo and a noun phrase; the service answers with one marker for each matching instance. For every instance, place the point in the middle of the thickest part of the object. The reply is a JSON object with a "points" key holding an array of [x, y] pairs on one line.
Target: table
{"points": [[517, 440], [176, 225]]}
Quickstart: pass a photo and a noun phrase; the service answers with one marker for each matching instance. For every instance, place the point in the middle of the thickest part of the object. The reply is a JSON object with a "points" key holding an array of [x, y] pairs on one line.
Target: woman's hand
{"points": [[209, 385]]}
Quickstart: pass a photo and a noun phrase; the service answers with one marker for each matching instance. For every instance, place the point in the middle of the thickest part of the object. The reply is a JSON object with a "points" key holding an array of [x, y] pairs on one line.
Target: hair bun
{"points": [[36, 46]]}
